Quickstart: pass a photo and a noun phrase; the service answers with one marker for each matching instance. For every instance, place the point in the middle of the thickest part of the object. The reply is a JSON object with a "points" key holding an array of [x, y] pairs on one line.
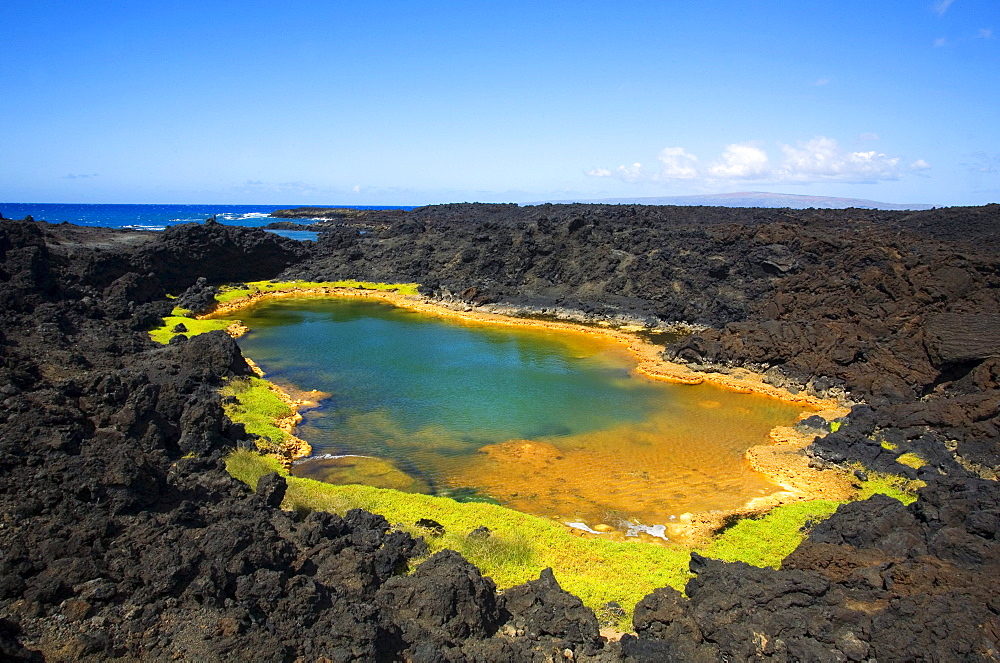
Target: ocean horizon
{"points": [[159, 216]]}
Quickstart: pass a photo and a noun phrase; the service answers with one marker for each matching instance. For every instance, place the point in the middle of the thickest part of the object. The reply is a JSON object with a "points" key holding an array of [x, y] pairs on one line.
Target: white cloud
{"points": [[72, 176], [942, 6], [985, 33], [821, 82], [356, 188], [741, 161], [631, 173], [939, 42], [822, 159], [677, 164], [817, 156]]}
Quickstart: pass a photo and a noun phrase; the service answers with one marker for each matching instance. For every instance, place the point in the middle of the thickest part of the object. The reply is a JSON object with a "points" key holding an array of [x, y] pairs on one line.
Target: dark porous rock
{"points": [[443, 603], [857, 441], [743, 612], [667, 629], [878, 522], [199, 298], [294, 225], [481, 532], [11, 648], [960, 516], [824, 387], [776, 259], [128, 291], [210, 354], [814, 423], [433, 527], [319, 526], [183, 253], [202, 427], [271, 487], [780, 377], [961, 337], [179, 328], [320, 213], [123, 536], [641, 650], [543, 608]]}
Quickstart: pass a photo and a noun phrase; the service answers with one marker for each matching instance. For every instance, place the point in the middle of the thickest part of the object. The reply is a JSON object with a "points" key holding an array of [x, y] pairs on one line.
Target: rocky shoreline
{"points": [[124, 537]]}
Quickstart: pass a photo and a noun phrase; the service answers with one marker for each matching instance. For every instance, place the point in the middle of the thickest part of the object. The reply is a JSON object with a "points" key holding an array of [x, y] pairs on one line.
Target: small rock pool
{"points": [[552, 423]]}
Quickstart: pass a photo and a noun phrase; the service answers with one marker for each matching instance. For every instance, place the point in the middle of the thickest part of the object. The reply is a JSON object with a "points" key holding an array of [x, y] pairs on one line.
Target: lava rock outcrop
{"points": [[122, 536]]}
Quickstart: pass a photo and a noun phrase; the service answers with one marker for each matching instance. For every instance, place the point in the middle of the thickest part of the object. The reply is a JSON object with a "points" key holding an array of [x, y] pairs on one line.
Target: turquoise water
{"points": [[484, 384], [552, 423]]}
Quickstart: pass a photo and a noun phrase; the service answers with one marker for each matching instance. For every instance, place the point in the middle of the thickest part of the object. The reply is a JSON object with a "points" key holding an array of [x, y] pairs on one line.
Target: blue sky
{"points": [[420, 102]]}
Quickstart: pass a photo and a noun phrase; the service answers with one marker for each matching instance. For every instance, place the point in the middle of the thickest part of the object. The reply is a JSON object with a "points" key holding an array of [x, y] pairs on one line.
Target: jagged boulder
{"points": [[543, 608], [443, 603], [198, 298]]}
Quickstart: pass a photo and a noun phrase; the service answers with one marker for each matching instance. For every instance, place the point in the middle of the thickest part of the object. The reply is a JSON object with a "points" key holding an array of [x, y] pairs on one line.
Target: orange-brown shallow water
{"points": [[687, 457]]}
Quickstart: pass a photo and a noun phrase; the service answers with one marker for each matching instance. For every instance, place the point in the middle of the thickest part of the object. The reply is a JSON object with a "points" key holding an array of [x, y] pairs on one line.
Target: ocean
{"points": [[158, 217]]}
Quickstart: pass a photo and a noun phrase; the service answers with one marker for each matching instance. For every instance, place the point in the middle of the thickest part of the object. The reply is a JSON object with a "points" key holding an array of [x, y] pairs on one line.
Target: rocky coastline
{"points": [[123, 537]]}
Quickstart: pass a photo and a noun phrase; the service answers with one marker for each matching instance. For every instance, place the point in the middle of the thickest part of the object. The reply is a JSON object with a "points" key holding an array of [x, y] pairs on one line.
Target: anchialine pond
{"points": [[554, 423]]}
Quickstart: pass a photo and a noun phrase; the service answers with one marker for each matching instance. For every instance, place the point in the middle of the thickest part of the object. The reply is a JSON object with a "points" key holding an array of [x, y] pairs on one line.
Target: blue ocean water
{"points": [[158, 217]]}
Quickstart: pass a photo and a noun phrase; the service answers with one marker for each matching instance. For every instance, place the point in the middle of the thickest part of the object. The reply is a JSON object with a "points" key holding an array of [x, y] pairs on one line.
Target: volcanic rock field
{"points": [[122, 535]]}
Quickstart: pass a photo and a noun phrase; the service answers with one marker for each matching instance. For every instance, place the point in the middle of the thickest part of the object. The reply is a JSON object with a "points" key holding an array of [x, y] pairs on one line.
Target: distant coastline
{"points": [[754, 199]]}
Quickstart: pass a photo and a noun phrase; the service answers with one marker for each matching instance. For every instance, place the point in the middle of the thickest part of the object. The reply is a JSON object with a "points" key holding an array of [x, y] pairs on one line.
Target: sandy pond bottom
{"points": [[552, 423]]}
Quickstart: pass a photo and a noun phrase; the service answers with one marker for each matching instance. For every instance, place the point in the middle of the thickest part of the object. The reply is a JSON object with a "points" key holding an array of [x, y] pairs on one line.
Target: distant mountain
{"points": [[754, 199]]}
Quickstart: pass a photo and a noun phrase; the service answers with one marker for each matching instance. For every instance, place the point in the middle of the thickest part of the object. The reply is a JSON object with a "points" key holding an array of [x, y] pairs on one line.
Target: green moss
{"points": [[834, 426], [228, 293], [885, 444], [163, 334], [249, 466], [249, 401], [508, 553], [911, 460], [767, 540], [897, 487]]}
